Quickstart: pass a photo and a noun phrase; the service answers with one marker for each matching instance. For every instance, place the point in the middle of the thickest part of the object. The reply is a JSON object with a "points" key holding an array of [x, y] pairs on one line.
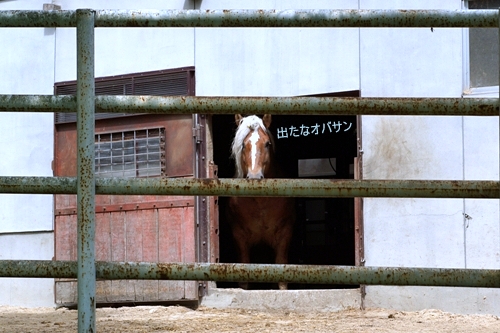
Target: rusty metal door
{"points": [[131, 228]]}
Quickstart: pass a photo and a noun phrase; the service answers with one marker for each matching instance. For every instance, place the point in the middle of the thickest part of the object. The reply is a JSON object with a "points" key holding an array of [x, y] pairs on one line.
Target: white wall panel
{"points": [[397, 147], [426, 232], [482, 227], [405, 62], [125, 4], [23, 5], [26, 212], [481, 148], [277, 4], [123, 51], [414, 4], [481, 144], [414, 232], [275, 62], [26, 147], [26, 60], [449, 299], [26, 143], [411, 62], [130, 50], [27, 292]]}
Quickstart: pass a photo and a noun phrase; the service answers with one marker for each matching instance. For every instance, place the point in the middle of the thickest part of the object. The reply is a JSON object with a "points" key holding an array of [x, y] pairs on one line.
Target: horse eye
{"points": [[268, 144]]}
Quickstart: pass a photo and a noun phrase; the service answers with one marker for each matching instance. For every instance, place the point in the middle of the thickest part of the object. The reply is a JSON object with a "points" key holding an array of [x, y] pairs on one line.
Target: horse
{"points": [[256, 220]]}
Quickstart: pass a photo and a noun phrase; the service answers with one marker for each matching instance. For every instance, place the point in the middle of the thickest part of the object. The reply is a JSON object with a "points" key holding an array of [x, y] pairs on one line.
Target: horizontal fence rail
{"points": [[350, 275], [262, 187], [259, 105], [258, 18]]}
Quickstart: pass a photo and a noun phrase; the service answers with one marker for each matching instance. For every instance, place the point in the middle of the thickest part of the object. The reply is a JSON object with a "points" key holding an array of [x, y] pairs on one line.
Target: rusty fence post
{"points": [[85, 170]]}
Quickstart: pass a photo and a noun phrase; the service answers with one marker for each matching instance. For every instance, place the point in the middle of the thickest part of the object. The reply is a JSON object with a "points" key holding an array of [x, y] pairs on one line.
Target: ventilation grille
{"points": [[130, 154], [174, 82]]}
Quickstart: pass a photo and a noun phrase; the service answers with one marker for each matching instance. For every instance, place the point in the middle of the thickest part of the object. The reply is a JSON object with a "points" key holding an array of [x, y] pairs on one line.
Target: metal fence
{"points": [[86, 186]]}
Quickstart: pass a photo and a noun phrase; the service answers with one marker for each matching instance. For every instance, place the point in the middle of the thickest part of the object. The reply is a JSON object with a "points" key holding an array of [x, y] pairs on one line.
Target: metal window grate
{"points": [[139, 153]]}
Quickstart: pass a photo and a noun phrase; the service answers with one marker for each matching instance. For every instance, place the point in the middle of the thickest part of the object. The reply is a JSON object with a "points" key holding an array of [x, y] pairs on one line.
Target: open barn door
{"points": [[328, 231]]}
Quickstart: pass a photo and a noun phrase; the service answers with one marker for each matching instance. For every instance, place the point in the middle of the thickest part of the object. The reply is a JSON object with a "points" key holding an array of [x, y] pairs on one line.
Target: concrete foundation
{"points": [[285, 300]]}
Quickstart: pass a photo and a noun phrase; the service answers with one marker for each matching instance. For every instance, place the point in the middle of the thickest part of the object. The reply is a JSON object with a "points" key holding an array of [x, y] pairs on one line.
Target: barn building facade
{"points": [[350, 62]]}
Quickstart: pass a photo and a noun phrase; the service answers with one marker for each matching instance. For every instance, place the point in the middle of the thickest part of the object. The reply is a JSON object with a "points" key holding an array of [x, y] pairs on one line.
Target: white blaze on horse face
{"points": [[254, 138]]}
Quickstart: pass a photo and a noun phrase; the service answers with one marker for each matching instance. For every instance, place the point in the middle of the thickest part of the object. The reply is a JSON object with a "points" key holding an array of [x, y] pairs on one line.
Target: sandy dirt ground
{"points": [[181, 319]]}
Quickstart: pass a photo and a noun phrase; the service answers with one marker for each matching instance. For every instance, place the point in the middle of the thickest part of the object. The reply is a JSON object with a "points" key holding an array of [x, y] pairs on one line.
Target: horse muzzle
{"points": [[255, 175]]}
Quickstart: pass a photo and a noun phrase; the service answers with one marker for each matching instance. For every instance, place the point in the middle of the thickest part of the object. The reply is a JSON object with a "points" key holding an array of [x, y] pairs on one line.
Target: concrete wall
{"points": [[276, 62], [426, 232], [26, 67], [27, 292], [284, 62], [121, 51]]}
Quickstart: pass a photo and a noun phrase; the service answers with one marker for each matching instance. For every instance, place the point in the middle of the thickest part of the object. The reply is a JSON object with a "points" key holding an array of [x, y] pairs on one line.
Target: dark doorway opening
{"points": [[306, 147]]}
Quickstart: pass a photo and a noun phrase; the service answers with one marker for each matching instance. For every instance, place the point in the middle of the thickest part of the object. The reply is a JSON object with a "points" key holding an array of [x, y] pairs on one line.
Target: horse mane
{"points": [[247, 125]]}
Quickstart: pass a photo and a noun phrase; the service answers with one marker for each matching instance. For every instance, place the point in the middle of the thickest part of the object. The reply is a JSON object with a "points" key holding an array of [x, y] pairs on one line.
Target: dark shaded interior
{"points": [[324, 230]]}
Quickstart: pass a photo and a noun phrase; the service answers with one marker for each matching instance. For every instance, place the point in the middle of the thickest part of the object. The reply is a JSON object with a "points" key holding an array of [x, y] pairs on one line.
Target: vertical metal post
{"points": [[85, 169], [201, 202]]}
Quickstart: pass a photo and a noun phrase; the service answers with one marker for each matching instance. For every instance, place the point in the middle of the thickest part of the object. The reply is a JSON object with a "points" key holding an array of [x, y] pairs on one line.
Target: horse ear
{"points": [[237, 119], [267, 120]]}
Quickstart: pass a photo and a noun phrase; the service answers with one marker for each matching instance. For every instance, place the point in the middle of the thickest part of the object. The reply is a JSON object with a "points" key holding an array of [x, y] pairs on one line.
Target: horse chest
{"points": [[258, 214]]}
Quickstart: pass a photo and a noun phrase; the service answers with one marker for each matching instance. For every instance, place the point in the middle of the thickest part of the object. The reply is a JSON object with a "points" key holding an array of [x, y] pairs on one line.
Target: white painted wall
{"points": [[26, 67], [27, 292], [26, 137], [426, 232], [121, 51], [481, 143], [276, 62], [151, 49]]}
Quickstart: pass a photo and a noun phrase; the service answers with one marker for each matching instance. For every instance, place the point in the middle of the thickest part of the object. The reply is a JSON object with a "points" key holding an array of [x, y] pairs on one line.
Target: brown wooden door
{"points": [[131, 228]]}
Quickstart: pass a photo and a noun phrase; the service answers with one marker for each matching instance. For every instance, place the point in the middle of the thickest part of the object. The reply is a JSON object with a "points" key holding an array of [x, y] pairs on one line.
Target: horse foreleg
{"points": [[244, 254], [281, 251]]}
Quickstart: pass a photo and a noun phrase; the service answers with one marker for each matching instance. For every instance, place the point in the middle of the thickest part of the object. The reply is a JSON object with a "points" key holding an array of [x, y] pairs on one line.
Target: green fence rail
{"points": [[258, 18], [258, 105], [314, 274], [486, 189]]}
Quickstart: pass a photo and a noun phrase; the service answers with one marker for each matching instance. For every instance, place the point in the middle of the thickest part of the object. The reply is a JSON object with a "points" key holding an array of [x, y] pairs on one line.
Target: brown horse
{"points": [[257, 220]]}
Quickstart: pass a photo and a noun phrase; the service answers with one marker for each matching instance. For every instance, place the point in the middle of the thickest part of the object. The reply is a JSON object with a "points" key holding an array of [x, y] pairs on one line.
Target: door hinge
{"points": [[197, 133]]}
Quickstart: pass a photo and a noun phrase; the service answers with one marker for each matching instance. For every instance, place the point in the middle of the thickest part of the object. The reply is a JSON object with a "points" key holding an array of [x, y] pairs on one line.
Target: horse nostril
{"points": [[255, 175]]}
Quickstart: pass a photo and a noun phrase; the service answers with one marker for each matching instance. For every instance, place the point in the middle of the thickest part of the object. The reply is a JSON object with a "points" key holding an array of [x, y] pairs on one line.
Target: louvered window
{"points": [[139, 153], [171, 82]]}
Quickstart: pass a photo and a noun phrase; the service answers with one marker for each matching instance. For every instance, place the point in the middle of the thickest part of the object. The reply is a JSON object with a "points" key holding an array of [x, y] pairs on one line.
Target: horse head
{"points": [[253, 147]]}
